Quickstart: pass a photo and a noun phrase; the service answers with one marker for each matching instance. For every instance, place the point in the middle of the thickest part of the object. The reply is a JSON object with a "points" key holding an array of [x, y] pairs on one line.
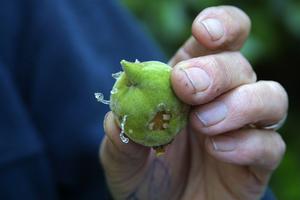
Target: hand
{"points": [[222, 153]]}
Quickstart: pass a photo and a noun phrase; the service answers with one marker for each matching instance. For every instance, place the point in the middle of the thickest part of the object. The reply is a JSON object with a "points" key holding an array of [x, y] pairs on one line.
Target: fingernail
{"points": [[214, 28], [223, 143], [198, 78], [212, 114]]}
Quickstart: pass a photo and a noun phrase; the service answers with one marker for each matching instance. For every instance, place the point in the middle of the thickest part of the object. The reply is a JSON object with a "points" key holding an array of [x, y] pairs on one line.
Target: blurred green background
{"points": [[273, 48]]}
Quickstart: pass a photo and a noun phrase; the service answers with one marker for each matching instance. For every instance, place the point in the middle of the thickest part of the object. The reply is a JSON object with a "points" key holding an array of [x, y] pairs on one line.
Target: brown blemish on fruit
{"points": [[159, 150], [160, 121]]}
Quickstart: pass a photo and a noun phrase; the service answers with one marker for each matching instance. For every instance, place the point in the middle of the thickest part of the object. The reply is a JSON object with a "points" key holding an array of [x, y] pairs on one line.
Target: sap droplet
{"points": [[116, 75], [122, 136], [137, 61], [124, 139], [100, 98]]}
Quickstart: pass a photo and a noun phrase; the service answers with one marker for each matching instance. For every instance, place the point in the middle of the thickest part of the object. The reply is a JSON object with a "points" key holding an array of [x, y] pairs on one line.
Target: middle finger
{"points": [[199, 80]]}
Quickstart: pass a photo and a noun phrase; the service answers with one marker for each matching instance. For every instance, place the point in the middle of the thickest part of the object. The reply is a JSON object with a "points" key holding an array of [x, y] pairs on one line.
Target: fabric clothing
{"points": [[54, 55]]}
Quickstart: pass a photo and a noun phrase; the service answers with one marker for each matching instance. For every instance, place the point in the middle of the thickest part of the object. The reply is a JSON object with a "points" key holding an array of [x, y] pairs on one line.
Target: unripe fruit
{"points": [[144, 104], [143, 100]]}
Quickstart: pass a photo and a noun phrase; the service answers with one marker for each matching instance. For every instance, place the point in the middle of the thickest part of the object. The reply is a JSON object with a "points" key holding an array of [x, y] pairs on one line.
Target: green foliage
{"points": [[170, 21], [273, 48], [286, 179]]}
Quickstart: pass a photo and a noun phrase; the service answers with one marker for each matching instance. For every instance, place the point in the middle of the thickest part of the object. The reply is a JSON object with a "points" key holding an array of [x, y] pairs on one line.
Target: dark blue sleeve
{"points": [[53, 56], [268, 195]]}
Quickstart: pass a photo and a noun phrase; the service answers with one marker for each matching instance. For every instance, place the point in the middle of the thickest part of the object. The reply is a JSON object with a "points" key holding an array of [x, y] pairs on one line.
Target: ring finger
{"points": [[262, 103]]}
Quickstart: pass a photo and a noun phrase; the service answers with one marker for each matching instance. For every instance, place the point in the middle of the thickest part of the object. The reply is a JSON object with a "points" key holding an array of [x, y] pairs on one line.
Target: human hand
{"points": [[222, 153]]}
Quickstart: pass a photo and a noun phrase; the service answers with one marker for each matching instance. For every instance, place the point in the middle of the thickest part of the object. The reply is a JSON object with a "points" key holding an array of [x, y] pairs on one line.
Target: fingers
{"points": [[120, 159], [224, 26], [215, 29], [262, 103], [199, 80], [251, 147]]}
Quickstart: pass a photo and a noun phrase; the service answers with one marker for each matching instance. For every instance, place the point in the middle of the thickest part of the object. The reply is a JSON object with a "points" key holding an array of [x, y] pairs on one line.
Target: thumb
{"points": [[122, 163]]}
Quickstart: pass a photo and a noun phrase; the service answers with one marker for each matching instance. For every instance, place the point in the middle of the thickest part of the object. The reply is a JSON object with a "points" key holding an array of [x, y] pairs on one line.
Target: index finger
{"points": [[214, 30]]}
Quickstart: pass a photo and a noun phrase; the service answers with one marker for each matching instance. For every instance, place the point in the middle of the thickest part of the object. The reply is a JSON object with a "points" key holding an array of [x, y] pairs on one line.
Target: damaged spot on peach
{"points": [[160, 121]]}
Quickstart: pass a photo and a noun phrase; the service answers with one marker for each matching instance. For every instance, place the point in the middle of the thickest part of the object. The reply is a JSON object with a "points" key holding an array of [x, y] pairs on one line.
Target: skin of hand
{"points": [[218, 155]]}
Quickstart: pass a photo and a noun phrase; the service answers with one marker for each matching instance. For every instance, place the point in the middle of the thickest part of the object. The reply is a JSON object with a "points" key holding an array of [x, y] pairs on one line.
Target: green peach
{"points": [[144, 104]]}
